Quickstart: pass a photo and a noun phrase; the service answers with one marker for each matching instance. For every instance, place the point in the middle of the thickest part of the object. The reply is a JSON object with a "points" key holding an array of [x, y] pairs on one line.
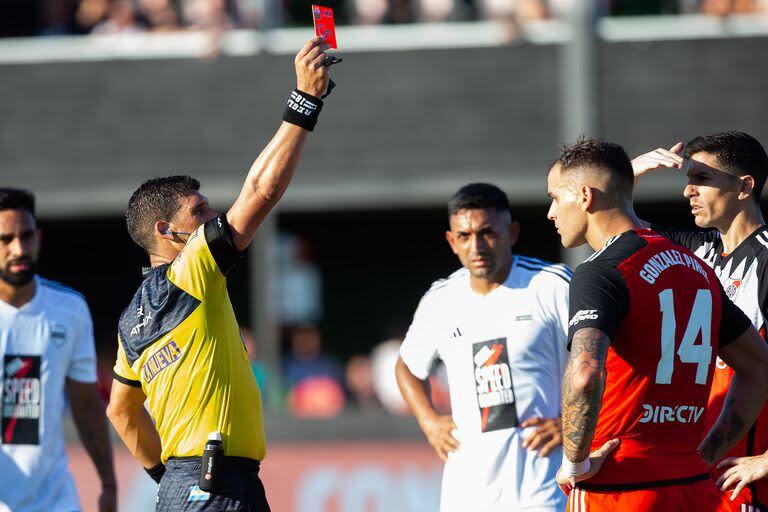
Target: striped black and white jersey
{"points": [[744, 276], [505, 353], [743, 273]]}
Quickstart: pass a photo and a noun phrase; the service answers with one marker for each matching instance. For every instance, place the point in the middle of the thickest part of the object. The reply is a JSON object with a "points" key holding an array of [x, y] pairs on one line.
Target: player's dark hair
{"points": [[156, 199], [738, 153], [17, 199], [604, 156], [477, 196]]}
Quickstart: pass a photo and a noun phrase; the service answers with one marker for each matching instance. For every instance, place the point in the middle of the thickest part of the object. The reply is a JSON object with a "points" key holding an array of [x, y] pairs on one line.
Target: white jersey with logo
{"points": [[505, 353], [42, 343]]}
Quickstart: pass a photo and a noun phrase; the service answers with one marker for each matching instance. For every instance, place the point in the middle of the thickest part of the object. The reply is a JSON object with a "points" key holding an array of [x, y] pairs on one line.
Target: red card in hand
{"points": [[324, 25]]}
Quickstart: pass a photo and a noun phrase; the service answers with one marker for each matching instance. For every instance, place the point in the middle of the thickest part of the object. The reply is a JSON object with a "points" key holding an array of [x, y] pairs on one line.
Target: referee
{"points": [[179, 345]]}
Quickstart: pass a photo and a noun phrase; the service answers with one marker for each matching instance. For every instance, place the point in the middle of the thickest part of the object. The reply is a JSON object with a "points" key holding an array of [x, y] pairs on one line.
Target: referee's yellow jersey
{"points": [[180, 342]]}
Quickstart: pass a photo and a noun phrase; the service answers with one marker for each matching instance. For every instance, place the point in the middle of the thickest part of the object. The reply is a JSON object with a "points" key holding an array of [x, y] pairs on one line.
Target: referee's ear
{"points": [[514, 232]]}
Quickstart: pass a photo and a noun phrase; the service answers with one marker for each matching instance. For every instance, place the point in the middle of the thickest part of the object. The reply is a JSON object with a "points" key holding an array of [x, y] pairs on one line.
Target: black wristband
{"points": [[302, 110], [156, 472]]}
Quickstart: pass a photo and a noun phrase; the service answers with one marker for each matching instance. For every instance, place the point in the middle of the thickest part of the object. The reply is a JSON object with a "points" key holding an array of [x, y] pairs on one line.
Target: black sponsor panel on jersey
{"points": [[21, 396], [493, 380]]}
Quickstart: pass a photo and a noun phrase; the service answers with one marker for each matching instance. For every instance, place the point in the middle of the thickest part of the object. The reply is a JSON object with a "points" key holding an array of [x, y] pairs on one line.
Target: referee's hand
{"points": [[438, 431], [311, 74]]}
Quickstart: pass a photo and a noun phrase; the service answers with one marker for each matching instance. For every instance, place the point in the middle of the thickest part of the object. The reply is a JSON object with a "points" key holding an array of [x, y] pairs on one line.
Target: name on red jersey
{"points": [[663, 260]]}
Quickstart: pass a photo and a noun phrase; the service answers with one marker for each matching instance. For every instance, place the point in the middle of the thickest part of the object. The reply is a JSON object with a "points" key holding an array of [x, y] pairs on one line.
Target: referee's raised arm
{"points": [[272, 171]]}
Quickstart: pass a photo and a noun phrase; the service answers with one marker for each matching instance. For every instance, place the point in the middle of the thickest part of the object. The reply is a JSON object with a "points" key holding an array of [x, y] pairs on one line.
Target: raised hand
{"points": [[657, 159], [311, 74]]}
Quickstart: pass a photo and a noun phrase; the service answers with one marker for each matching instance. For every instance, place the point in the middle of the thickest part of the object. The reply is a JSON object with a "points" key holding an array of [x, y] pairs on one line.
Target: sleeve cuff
{"points": [[129, 382]]}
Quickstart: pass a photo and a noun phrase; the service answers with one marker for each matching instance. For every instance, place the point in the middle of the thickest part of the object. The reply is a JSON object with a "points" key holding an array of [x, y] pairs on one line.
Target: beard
{"points": [[19, 278]]}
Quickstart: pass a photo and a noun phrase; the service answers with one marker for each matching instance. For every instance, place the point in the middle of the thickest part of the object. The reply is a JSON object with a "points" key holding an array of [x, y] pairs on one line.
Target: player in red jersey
{"points": [[726, 174], [647, 320]]}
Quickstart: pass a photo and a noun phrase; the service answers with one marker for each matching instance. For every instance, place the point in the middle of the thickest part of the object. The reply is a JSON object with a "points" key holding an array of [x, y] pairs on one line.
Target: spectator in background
{"points": [[217, 15], [160, 15], [728, 7], [121, 19], [360, 391], [258, 367], [384, 358], [307, 358], [90, 13], [299, 283], [370, 12], [315, 380]]}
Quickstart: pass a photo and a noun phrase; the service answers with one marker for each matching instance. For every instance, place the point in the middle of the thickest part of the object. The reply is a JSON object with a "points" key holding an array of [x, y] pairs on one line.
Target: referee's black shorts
{"points": [[240, 488]]}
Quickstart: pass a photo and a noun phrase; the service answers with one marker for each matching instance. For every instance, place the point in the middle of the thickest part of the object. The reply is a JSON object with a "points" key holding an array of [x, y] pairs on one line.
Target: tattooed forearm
{"points": [[583, 384], [737, 427], [742, 405], [711, 446]]}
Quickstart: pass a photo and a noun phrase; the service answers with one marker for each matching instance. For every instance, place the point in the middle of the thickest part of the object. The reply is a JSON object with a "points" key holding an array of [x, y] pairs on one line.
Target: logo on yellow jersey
{"points": [[160, 360]]}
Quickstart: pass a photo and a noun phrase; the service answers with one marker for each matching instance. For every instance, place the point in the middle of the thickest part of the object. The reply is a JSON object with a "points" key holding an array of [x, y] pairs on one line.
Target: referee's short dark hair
{"points": [[156, 199], [17, 199], [477, 196], [738, 153], [604, 156]]}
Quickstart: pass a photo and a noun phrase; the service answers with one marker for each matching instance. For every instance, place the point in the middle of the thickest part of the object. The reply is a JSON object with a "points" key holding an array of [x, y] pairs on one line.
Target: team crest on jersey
{"points": [[493, 379], [58, 334], [733, 287], [160, 360], [21, 399]]}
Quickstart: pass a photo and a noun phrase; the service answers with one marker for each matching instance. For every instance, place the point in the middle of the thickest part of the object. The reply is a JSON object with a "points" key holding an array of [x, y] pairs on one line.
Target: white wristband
{"points": [[571, 469]]}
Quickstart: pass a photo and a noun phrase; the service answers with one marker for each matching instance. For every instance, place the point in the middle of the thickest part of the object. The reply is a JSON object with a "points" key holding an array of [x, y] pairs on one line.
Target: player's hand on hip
{"points": [[438, 431], [596, 460], [547, 436], [108, 500], [741, 471], [657, 159], [311, 74]]}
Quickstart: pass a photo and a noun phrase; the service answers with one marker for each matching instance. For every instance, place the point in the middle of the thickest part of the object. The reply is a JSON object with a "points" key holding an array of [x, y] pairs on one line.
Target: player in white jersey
{"points": [[499, 324], [48, 355]]}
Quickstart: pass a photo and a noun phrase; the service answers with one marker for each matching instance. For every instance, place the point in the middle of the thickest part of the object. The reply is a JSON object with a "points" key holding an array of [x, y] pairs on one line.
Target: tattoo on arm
{"points": [[711, 446], [583, 384], [730, 421]]}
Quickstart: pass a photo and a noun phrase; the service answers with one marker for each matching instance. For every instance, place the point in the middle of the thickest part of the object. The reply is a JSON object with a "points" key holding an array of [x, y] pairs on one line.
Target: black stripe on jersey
{"points": [[157, 308], [61, 287], [535, 262], [129, 382], [635, 486], [562, 275], [442, 283]]}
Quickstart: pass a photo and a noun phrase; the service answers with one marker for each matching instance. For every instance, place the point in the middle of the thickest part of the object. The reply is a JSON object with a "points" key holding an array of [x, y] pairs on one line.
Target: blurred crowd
{"points": [[55, 17]]}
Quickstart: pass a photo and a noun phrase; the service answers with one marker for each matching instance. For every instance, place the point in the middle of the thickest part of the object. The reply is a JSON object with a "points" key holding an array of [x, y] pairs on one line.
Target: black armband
{"points": [[156, 472], [302, 110]]}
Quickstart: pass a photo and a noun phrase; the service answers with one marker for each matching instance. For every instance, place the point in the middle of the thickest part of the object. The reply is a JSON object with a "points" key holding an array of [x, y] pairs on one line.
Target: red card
{"points": [[324, 25]]}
